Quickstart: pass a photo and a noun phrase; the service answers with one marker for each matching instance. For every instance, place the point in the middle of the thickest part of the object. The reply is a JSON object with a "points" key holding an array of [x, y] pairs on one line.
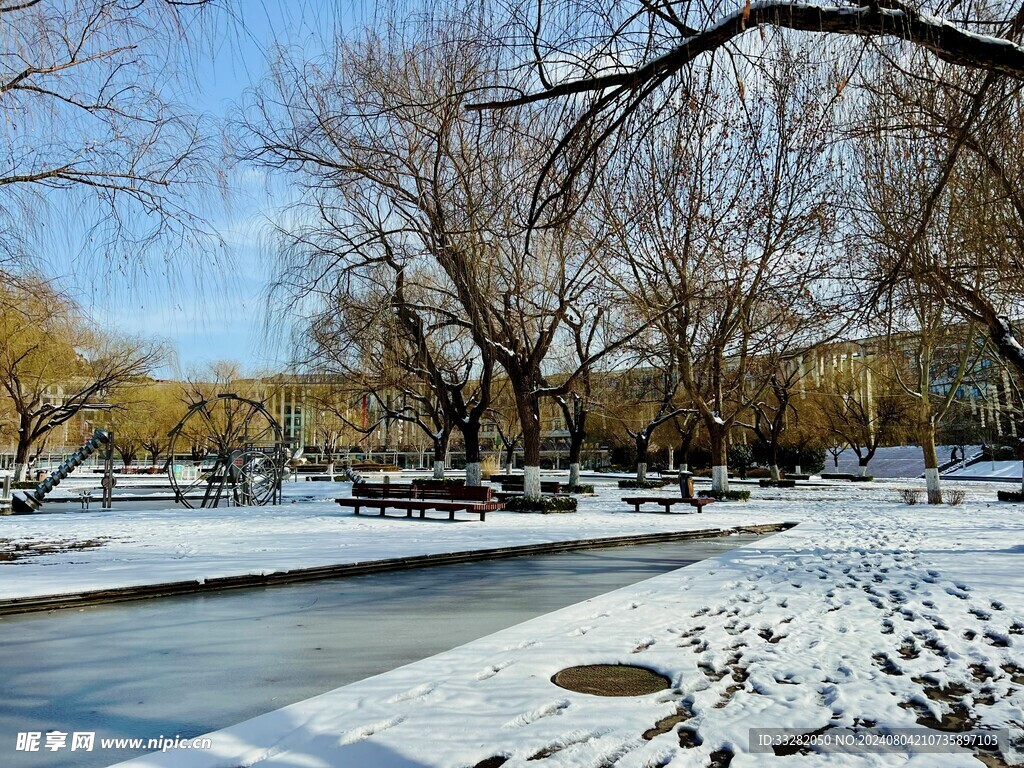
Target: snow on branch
{"points": [[946, 40]]}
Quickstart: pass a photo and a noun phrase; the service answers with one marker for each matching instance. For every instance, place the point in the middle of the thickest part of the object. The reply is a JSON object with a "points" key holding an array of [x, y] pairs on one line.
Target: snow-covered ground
{"points": [[107, 549], [894, 461], [1009, 470], [868, 612]]}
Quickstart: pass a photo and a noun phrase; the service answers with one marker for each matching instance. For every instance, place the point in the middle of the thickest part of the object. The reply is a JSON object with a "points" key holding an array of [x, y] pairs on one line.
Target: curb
{"points": [[17, 605]]}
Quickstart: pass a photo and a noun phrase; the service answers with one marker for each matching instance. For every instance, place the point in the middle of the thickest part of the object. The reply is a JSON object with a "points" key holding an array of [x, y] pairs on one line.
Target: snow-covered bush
{"points": [[910, 495], [955, 497]]}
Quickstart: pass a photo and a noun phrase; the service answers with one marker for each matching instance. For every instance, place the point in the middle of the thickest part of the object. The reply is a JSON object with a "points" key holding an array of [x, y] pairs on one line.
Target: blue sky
{"points": [[204, 311]]}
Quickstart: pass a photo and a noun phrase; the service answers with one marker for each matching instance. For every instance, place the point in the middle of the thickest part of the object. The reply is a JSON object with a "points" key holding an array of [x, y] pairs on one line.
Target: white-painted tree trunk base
{"points": [[775, 474], [574, 474], [19, 473], [671, 459], [862, 471], [931, 483], [531, 482], [474, 473], [330, 469], [438, 469], [720, 478], [641, 471], [798, 470], [684, 467]]}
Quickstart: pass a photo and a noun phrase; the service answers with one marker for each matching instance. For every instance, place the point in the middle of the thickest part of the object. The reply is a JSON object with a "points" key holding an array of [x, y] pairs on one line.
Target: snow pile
{"points": [[869, 612]]}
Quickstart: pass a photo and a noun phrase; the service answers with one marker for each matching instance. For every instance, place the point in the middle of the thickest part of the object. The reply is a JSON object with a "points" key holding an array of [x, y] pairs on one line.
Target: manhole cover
{"points": [[611, 680]]}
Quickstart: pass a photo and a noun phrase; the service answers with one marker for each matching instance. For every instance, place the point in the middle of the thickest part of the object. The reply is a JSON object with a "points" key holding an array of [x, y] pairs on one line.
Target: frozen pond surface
{"points": [[188, 665]]}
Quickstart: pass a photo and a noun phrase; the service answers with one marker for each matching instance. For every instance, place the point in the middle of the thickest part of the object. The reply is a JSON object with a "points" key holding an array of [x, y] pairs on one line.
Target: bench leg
{"points": [[636, 508], [451, 514], [355, 511]]}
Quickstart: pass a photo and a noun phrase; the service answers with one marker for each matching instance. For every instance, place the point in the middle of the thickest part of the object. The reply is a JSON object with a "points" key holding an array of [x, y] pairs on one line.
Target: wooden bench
{"points": [[384, 490], [667, 501], [474, 499]]}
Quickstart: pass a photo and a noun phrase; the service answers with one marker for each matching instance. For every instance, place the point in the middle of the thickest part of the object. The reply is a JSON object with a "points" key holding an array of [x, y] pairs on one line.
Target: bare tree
{"points": [[642, 398], [90, 115], [863, 405], [610, 58], [723, 215], [399, 178], [773, 413]]}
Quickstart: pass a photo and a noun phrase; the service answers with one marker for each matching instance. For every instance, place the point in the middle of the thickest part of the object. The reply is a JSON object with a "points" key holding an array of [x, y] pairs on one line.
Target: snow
{"points": [[172, 545], [990, 469], [862, 612], [803, 629], [893, 461]]}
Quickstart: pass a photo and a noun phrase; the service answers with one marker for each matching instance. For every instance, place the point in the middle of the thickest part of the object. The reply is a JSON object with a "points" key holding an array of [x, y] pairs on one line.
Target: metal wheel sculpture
{"points": [[237, 449]]}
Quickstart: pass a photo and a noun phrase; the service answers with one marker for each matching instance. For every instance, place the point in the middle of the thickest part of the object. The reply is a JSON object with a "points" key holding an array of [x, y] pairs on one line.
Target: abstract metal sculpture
{"points": [[238, 453], [30, 501]]}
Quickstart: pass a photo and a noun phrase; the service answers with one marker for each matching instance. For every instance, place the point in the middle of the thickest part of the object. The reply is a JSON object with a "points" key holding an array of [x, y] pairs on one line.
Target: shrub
{"points": [[545, 505], [643, 483], [1010, 495], [910, 495], [787, 483], [489, 466], [24, 485], [725, 495], [955, 497], [579, 489], [846, 476]]}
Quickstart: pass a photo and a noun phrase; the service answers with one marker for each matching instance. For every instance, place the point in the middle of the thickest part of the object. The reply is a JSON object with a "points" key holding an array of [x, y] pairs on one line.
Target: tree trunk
{"points": [[931, 463], [642, 445], [862, 466], [719, 458], [510, 458], [21, 460], [471, 438], [528, 408], [440, 452], [775, 474], [576, 439]]}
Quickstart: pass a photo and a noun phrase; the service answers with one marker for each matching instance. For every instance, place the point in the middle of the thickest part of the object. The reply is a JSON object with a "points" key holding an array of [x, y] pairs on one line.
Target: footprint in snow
{"points": [[521, 646], [366, 731], [419, 692], [579, 631], [980, 614], [554, 708], [489, 672]]}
